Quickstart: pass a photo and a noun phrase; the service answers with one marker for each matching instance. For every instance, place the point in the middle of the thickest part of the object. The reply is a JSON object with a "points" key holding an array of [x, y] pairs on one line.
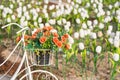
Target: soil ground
{"points": [[70, 71]]}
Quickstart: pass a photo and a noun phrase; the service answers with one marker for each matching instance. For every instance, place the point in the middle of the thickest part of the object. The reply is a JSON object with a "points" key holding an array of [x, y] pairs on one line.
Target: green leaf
{"points": [[113, 63], [29, 46]]}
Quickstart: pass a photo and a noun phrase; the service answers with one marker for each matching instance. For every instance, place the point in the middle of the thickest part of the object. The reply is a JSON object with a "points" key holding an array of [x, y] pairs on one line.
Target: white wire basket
{"points": [[41, 57]]}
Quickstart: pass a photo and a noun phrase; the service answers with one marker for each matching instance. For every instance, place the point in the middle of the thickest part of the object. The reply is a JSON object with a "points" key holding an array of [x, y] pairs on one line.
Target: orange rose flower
{"points": [[63, 39], [50, 28], [66, 35], [18, 39], [26, 37], [26, 43], [55, 40], [42, 39], [55, 34], [47, 28], [59, 44], [46, 33], [38, 30], [33, 37], [67, 46]]}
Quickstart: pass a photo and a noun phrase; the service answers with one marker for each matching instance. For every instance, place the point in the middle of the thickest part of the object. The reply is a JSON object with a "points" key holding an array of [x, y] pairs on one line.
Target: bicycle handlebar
{"points": [[12, 24], [22, 28]]}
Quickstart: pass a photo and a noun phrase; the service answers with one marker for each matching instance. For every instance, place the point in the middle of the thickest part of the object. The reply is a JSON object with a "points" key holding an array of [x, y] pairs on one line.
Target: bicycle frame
{"points": [[24, 58]]}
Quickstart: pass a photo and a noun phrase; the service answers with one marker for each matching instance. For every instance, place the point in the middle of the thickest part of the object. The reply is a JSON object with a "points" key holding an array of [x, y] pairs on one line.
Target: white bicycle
{"points": [[41, 74]]}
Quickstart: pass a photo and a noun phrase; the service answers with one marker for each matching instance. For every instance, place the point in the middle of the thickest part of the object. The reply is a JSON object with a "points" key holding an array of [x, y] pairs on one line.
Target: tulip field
{"points": [[84, 36]]}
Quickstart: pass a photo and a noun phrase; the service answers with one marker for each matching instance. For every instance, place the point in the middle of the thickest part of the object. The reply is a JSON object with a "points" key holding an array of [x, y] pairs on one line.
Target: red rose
{"points": [[67, 46], [18, 39], [66, 35], [59, 44], [42, 39]]}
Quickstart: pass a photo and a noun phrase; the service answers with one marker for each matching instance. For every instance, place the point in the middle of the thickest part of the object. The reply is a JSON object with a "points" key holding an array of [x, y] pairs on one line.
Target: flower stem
{"points": [[56, 61], [113, 72], [95, 63]]}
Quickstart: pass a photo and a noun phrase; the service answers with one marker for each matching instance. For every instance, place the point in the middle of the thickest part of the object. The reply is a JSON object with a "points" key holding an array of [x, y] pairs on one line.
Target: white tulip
{"points": [[107, 19], [10, 11], [112, 34], [76, 35], [88, 31], [39, 19], [59, 22], [108, 12], [79, 1], [68, 1], [26, 13], [116, 57], [76, 6], [116, 43], [85, 32], [64, 21], [34, 18], [88, 4], [4, 15], [110, 40], [20, 4], [28, 17], [78, 21], [81, 33], [11, 6], [46, 15], [46, 1], [94, 5], [29, 6], [19, 15], [66, 27], [45, 6], [116, 4], [24, 9], [110, 27], [100, 34], [26, 23], [37, 9], [81, 46], [117, 33], [8, 19], [93, 35], [72, 3], [116, 38], [79, 10], [13, 17], [1, 6], [22, 19], [91, 1], [101, 25], [98, 49], [35, 23], [110, 6], [41, 25], [91, 27], [53, 31], [95, 22], [96, 11], [89, 23], [68, 23], [108, 32], [47, 24], [70, 40], [101, 1], [51, 7], [75, 11], [52, 21], [34, 30]]}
